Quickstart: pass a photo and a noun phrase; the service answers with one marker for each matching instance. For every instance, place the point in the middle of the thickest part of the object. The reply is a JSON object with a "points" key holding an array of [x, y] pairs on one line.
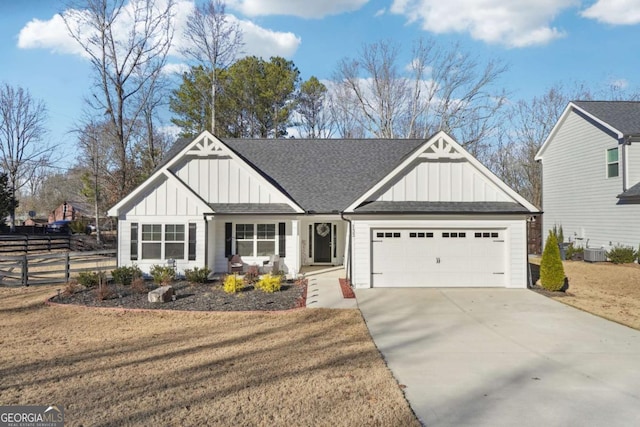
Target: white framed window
{"points": [[613, 162], [164, 241], [151, 241], [174, 241], [256, 239]]}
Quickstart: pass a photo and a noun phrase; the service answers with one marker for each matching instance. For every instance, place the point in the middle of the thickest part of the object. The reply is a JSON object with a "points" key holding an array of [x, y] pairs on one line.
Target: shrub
{"points": [[91, 279], [125, 275], [104, 291], [71, 288], [558, 233], [139, 286], [77, 227], [574, 252], [551, 268], [252, 274], [269, 283], [197, 275], [622, 254], [233, 284], [162, 274]]}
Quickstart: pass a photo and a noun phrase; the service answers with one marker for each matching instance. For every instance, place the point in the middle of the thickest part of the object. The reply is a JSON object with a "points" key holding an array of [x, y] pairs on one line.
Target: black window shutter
{"points": [[282, 239], [134, 241], [228, 230], [192, 241]]}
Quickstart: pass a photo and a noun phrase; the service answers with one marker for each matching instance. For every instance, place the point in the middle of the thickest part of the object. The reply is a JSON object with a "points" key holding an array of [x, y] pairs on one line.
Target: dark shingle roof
{"points": [[442, 207], [622, 115], [252, 208], [631, 193], [325, 175]]}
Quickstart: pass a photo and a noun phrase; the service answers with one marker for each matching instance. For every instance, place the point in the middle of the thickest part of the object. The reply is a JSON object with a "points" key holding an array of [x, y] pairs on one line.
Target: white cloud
{"points": [[380, 12], [52, 35], [175, 68], [615, 12], [513, 23], [300, 8]]}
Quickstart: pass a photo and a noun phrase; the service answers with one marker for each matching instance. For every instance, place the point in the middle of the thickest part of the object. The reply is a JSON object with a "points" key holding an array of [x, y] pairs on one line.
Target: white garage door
{"points": [[438, 258]]}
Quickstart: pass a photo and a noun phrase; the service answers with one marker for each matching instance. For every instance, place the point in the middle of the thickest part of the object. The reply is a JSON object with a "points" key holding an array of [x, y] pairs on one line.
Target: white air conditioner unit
{"points": [[595, 255]]}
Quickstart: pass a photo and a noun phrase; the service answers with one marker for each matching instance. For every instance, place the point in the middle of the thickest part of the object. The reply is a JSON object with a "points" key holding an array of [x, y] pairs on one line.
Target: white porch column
{"points": [[295, 240], [211, 243]]}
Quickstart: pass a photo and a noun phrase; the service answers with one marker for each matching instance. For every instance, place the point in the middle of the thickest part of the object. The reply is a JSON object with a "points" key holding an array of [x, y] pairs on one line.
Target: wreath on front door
{"points": [[323, 229]]}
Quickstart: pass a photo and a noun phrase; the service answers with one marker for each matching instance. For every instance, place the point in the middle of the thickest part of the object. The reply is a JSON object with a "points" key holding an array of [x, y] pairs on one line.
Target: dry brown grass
{"points": [[307, 367], [604, 289]]}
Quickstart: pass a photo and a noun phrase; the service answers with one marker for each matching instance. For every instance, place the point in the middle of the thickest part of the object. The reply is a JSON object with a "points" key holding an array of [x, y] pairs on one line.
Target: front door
{"points": [[322, 242]]}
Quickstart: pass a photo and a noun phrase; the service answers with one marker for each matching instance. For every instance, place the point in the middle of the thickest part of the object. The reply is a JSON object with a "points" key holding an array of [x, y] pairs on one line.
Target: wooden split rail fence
{"points": [[41, 269]]}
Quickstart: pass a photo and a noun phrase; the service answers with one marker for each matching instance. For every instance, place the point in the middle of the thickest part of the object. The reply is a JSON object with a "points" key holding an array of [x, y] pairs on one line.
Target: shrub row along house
{"points": [[393, 212], [591, 174]]}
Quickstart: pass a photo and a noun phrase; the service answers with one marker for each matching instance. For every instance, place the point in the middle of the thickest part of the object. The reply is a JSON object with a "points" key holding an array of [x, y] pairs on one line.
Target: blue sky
{"points": [[542, 42]]}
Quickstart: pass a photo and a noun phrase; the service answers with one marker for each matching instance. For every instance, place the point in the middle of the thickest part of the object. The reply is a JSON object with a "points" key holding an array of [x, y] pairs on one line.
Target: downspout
{"points": [[349, 249], [625, 142]]}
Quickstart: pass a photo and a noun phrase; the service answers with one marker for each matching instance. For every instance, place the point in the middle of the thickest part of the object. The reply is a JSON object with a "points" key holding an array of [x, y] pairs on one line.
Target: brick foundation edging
{"points": [[345, 286]]}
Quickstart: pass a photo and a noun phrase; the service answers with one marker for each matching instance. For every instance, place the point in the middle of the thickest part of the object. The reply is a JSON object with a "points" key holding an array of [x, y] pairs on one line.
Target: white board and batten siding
{"points": [[510, 249], [577, 193], [445, 182], [224, 180], [163, 203]]}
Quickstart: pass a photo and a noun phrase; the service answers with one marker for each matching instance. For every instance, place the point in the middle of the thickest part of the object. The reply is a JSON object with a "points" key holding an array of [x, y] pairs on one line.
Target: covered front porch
{"points": [[297, 242]]}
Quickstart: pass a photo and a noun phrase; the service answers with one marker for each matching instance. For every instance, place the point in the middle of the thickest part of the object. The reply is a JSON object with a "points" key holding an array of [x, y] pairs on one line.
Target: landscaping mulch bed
{"points": [[195, 297]]}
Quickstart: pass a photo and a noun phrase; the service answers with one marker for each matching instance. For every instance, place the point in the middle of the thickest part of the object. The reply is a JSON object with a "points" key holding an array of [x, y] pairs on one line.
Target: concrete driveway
{"points": [[502, 357]]}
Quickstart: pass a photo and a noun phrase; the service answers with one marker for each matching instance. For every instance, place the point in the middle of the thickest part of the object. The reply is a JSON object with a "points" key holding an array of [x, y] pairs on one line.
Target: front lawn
{"points": [[604, 289], [113, 367]]}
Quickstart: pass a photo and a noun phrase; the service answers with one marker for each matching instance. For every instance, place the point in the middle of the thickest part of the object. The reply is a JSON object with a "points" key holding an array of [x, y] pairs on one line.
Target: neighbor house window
{"points": [[151, 241], [613, 163], [256, 239], [157, 244]]}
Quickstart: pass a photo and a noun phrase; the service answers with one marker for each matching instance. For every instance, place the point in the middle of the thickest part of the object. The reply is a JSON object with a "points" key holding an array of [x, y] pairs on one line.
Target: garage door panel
{"points": [[456, 258]]}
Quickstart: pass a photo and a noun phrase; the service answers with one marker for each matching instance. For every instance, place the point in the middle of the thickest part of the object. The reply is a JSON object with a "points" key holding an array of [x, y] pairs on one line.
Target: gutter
{"points": [[349, 250]]}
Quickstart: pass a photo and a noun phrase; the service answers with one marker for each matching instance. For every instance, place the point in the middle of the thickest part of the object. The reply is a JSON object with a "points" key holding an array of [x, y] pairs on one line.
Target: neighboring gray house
{"points": [[393, 212], [591, 174]]}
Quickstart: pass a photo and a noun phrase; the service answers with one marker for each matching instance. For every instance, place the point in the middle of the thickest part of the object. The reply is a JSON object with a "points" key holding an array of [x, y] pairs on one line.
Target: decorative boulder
{"points": [[162, 294]]}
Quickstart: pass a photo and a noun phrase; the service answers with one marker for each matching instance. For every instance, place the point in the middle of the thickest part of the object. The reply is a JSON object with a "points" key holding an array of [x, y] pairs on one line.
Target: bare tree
{"points": [[213, 41], [22, 145], [127, 46], [93, 160], [439, 90], [530, 123]]}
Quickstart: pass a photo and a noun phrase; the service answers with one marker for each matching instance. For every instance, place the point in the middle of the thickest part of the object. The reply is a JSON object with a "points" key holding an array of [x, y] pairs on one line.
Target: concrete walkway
{"points": [[504, 357], [323, 290]]}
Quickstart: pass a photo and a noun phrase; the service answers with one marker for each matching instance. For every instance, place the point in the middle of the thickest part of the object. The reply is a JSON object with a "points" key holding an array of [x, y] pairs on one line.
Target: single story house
{"points": [[591, 174], [394, 212]]}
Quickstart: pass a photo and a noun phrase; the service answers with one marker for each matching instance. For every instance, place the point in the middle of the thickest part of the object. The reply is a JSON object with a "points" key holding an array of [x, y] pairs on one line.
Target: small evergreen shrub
{"points": [[162, 274], [125, 275], [269, 283], [197, 275], [91, 279], [252, 274], [558, 233], [77, 227], [574, 252], [233, 284], [622, 254], [551, 268]]}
